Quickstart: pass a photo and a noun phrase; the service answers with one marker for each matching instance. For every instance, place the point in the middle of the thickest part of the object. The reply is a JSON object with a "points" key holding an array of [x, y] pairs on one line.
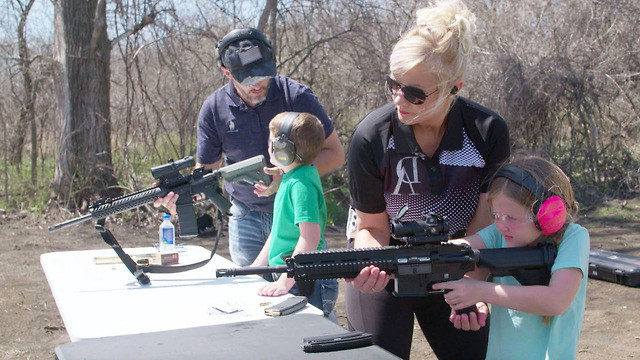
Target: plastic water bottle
{"points": [[167, 234]]}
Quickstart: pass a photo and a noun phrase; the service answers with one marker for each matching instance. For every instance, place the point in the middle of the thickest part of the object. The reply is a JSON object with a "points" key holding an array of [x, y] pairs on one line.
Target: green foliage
{"points": [[132, 168], [336, 194], [337, 211], [619, 213], [23, 194]]}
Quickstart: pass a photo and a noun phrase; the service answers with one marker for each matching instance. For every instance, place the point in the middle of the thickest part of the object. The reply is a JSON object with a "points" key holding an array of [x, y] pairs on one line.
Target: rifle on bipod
{"points": [[169, 179], [425, 260]]}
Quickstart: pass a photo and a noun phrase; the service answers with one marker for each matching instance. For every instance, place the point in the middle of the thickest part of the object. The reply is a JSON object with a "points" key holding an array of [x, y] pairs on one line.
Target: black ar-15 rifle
{"points": [[168, 176], [425, 260]]}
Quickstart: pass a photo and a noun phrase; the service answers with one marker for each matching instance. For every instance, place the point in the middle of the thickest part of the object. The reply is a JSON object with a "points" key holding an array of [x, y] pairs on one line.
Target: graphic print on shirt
{"points": [[404, 177], [232, 126], [408, 181]]}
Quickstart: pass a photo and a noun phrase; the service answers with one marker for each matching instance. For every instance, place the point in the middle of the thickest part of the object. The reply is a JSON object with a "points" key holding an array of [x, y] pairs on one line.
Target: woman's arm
{"points": [[372, 230], [472, 321]]}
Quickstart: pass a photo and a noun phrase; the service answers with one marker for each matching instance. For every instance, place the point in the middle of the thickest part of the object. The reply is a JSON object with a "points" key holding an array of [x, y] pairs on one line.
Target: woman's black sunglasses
{"points": [[413, 94]]}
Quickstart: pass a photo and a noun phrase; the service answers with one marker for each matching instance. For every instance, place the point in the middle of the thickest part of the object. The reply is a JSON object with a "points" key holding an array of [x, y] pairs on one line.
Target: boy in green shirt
{"points": [[300, 211]]}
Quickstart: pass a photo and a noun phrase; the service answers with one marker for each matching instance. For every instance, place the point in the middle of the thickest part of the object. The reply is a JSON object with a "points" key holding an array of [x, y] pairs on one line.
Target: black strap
{"points": [[108, 237], [140, 271]]}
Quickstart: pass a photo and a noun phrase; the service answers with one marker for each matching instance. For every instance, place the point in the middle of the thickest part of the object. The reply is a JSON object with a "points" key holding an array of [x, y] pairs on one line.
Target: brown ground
{"points": [[32, 327]]}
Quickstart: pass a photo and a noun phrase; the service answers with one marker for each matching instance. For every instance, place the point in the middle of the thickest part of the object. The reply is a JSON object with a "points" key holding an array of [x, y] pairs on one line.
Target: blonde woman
{"points": [[432, 150]]}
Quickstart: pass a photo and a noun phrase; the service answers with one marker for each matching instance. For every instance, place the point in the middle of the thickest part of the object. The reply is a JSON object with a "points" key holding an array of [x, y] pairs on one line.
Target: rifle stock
{"points": [[201, 181], [249, 171]]}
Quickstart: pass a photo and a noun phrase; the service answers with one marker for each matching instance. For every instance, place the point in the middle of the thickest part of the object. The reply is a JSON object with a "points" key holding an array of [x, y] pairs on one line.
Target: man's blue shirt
{"points": [[228, 125]]}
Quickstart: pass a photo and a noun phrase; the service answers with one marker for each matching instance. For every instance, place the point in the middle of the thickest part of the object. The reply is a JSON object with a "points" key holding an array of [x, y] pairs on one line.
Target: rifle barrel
{"points": [[250, 270], [70, 222]]}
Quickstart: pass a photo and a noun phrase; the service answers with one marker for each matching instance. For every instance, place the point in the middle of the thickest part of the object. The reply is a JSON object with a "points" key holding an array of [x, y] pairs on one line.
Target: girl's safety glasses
{"points": [[413, 94], [508, 220]]}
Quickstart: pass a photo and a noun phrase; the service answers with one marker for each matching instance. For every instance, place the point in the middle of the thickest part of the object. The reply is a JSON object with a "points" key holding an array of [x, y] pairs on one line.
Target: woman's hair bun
{"points": [[447, 22]]}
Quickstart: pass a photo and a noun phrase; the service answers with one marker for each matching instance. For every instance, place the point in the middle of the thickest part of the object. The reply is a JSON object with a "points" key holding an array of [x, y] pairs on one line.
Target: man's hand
{"points": [[263, 190], [168, 202]]}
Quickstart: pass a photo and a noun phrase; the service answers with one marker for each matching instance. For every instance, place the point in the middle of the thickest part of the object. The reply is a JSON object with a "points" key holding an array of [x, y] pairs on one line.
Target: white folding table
{"points": [[100, 300]]}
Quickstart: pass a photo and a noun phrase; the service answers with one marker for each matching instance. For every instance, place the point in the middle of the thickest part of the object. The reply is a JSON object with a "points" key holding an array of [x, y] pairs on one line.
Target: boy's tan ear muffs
{"points": [[283, 148], [550, 210]]}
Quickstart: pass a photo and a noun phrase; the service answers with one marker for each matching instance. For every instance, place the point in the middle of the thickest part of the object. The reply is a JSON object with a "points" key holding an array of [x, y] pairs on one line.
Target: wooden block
{"points": [[157, 258]]}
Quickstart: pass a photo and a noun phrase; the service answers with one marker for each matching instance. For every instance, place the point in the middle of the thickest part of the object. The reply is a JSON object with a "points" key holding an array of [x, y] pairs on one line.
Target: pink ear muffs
{"points": [[552, 215]]}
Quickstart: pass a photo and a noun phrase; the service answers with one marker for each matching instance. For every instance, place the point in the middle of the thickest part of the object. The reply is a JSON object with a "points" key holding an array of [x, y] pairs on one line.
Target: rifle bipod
{"points": [[140, 271]]}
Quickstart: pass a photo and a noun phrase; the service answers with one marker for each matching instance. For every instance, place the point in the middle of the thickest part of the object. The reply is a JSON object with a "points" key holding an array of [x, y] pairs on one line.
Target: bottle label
{"points": [[167, 236]]}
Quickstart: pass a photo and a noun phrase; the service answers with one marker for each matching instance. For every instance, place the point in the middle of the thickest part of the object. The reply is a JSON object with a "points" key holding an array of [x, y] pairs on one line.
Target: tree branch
{"points": [[308, 50], [269, 8], [146, 20], [99, 21]]}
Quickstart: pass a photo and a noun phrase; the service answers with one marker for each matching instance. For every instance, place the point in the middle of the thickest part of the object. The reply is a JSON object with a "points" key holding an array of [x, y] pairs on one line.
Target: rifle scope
{"points": [[432, 227], [172, 167]]}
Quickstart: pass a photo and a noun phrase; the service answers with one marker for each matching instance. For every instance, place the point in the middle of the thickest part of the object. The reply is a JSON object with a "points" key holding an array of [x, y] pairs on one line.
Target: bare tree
{"points": [[26, 93], [83, 52], [269, 12], [5, 160]]}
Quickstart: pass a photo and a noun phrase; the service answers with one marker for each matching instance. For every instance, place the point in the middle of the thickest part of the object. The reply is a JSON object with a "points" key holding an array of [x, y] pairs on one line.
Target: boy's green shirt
{"points": [[299, 199]]}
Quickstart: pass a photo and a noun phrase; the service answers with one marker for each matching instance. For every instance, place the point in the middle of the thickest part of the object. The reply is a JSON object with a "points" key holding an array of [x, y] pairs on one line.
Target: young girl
{"points": [[531, 201]]}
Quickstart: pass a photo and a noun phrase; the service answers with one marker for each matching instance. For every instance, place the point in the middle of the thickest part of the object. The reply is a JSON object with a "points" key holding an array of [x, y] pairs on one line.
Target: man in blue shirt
{"points": [[234, 121]]}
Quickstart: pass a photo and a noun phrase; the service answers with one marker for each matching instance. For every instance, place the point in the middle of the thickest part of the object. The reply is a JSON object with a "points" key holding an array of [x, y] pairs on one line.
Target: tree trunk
{"points": [[27, 110], [84, 166]]}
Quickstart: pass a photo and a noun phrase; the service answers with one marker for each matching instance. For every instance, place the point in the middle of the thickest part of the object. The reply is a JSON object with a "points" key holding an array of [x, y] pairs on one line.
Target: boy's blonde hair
{"points": [[307, 133]]}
